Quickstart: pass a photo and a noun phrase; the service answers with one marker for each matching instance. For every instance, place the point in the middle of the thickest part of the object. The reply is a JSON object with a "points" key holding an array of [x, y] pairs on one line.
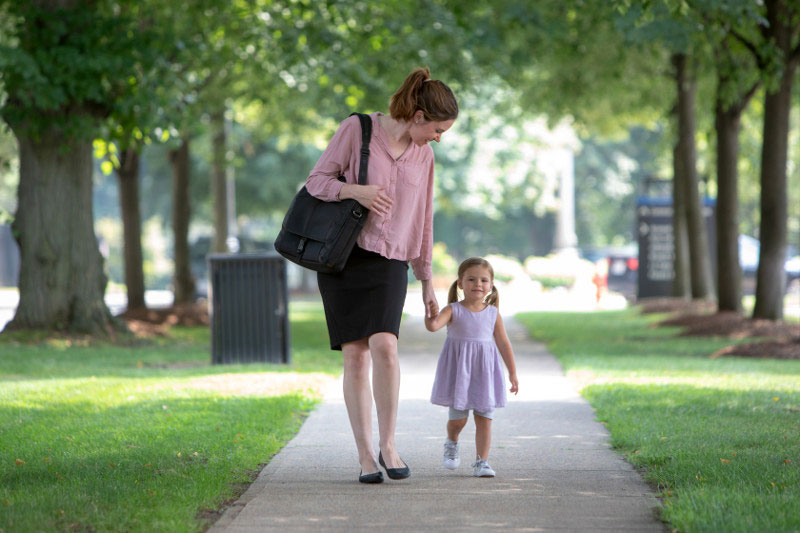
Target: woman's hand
{"points": [[372, 197], [429, 299]]}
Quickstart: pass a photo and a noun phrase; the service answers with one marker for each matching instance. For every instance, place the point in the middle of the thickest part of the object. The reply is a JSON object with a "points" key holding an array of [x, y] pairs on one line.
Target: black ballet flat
{"points": [[375, 477], [394, 473]]}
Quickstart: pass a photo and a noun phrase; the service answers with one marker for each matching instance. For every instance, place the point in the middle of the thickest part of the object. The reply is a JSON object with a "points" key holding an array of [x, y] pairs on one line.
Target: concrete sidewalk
{"points": [[555, 470]]}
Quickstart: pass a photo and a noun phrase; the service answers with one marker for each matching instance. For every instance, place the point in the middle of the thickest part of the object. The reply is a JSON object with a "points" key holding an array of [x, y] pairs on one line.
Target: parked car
{"points": [[749, 249]]}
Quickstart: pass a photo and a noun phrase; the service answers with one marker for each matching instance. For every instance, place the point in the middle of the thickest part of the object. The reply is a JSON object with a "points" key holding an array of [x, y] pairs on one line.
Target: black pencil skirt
{"points": [[367, 297]]}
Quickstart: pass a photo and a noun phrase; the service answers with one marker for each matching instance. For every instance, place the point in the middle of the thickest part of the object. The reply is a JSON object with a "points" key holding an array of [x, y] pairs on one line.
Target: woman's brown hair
{"points": [[493, 298], [420, 92]]}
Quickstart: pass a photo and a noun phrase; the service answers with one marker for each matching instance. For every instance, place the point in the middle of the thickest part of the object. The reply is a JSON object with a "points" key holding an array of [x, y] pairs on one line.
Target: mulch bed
{"points": [[777, 338], [779, 349], [156, 322]]}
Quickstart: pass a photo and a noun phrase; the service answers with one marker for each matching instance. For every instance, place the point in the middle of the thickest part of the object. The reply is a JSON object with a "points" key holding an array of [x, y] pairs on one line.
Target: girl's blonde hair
{"points": [[493, 298], [419, 92]]}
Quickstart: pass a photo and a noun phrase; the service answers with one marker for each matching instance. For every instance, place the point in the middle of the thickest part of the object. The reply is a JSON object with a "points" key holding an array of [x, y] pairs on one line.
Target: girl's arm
{"points": [[437, 322], [504, 345]]}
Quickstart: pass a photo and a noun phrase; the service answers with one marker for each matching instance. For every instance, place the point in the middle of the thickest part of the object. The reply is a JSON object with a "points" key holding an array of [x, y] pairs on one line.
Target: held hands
{"points": [[429, 300], [431, 308]]}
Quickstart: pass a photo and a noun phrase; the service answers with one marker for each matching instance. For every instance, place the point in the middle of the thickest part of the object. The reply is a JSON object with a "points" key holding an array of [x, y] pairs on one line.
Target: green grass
{"points": [[718, 438], [100, 437]]}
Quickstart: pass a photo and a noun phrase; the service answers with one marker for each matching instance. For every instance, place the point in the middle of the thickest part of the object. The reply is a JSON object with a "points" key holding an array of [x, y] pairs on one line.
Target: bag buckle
{"points": [[301, 245]]}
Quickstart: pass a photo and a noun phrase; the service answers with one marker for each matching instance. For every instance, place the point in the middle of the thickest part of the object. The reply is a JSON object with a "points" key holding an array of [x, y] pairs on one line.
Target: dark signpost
{"points": [[657, 245]]}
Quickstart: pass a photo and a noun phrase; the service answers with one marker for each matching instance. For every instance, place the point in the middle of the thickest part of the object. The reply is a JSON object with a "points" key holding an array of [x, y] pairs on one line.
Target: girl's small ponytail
{"points": [[452, 296], [494, 297]]}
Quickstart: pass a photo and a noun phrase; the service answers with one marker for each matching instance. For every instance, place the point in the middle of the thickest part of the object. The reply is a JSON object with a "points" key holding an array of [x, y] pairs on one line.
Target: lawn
{"points": [[146, 436], [718, 438]]}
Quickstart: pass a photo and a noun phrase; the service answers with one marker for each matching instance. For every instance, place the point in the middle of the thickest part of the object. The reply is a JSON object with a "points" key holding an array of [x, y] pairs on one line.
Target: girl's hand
{"points": [[514, 383], [372, 197]]}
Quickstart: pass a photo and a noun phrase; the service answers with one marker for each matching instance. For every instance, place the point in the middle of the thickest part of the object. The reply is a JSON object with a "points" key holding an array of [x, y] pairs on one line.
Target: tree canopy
{"points": [[285, 72]]}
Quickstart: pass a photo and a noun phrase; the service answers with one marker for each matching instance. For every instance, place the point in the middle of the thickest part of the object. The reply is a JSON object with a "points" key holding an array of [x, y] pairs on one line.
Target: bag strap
{"points": [[366, 135]]}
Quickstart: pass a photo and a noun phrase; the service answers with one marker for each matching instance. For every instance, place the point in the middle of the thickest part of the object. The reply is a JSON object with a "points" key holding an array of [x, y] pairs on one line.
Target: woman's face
{"points": [[422, 132]]}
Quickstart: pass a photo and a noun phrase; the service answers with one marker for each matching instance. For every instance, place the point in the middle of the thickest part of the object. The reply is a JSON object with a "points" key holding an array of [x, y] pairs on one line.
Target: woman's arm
{"points": [[323, 181], [422, 264], [438, 321], [504, 346], [429, 299]]}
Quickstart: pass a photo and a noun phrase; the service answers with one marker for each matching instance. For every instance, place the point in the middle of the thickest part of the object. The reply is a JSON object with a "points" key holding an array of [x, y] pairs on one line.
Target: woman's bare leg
{"points": [[386, 390], [358, 399]]}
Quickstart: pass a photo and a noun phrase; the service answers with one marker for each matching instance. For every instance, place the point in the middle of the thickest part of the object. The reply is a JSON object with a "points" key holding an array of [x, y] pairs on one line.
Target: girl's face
{"points": [[422, 132], [476, 282]]}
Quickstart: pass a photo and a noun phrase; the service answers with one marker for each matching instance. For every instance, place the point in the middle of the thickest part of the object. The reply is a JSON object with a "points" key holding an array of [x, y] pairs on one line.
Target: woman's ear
{"points": [[418, 117]]}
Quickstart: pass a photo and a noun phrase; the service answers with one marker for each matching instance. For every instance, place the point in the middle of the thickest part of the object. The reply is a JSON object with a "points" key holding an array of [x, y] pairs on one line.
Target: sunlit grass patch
{"points": [[143, 437], [717, 437]]}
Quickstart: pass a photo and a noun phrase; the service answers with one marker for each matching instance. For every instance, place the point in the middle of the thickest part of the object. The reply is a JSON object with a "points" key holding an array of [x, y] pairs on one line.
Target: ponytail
{"points": [[420, 93], [493, 298], [452, 296]]}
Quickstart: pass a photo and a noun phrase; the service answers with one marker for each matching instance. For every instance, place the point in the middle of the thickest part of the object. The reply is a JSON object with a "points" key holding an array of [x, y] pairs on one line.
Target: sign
{"points": [[657, 244]]}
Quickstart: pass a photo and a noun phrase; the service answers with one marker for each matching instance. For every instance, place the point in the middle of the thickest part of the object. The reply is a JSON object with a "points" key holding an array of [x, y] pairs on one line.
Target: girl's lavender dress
{"points": [[470, 374]]}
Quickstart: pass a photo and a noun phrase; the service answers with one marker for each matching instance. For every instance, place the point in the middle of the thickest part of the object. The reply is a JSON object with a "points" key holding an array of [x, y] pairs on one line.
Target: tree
{"points": [[672, 25], [770, 31], [732, 97], [70, 66], [780, 54], [699, 257], [128, 178]]}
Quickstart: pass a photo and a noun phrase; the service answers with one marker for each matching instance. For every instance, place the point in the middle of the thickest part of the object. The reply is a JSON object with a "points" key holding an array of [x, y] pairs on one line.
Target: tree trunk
{"points": [[699, 257], [128, 177], [729, 271], [61, 281], [218, 182], [681, 283], [183, 282], [771, 277]]}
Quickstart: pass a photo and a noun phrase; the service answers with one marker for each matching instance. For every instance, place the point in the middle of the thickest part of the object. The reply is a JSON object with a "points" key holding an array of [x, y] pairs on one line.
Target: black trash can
{"points": [[249, 308]]}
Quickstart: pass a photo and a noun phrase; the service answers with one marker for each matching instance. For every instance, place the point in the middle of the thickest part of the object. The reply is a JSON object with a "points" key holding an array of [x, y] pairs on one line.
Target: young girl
{"points": [[469, 374]]}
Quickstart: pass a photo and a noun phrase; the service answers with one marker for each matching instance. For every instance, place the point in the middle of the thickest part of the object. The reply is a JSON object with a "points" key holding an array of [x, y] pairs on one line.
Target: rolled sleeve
{"points": [[323, 182], [423, 265]]}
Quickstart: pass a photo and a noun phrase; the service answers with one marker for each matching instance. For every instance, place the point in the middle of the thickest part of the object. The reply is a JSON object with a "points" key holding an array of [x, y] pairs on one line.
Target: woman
{"points": [[364, 303]]}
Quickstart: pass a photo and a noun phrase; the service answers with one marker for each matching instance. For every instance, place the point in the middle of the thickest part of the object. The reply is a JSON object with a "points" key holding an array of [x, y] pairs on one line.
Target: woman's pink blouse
{"points": [[406, 233]]}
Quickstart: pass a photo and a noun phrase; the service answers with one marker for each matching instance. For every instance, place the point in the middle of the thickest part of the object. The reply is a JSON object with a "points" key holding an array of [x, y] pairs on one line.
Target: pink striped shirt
{"points": [[406, 233]]}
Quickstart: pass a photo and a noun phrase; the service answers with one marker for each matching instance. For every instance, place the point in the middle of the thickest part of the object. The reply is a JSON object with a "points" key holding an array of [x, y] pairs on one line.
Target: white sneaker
{"points": [[481, 468], [451, 458]]}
